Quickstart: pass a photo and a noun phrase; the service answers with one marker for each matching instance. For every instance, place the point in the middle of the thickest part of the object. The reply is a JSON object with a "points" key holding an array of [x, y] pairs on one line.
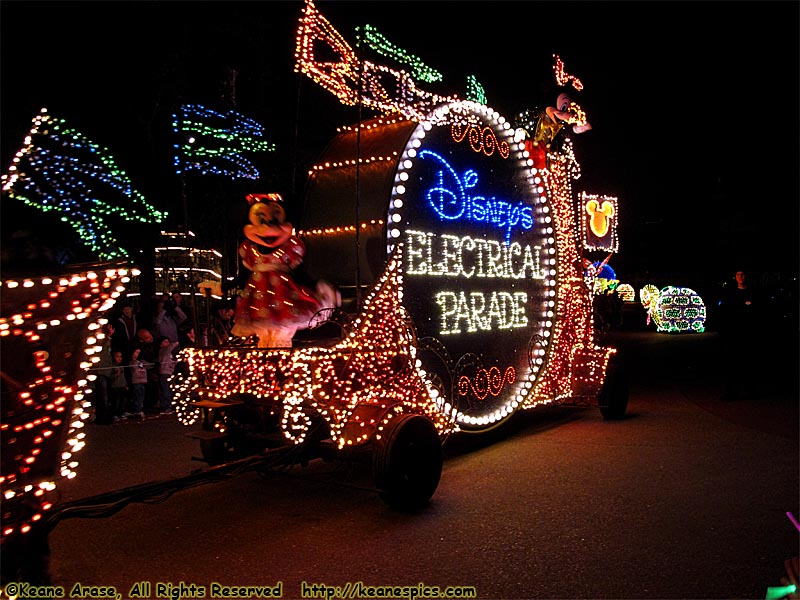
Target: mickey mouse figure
{"points": [[273, 306], [548, 124], [541, 132]]}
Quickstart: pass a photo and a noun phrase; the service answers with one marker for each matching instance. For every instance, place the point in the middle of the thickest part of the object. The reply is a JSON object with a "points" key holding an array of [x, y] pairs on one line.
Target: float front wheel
{"points": [[216, 451]]}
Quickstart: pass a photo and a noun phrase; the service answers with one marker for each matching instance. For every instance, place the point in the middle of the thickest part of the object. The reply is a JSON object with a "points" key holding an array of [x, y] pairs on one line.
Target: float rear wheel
{"points": [[613, 398], [408, 462]]}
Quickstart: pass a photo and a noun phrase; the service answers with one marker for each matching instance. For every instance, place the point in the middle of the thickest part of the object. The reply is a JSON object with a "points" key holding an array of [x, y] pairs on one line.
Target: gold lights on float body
{"points": [[356, 387]]}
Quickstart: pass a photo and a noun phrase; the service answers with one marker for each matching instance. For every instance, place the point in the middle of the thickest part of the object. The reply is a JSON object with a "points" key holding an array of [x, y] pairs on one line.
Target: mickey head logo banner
{"points": [[598, 222]]}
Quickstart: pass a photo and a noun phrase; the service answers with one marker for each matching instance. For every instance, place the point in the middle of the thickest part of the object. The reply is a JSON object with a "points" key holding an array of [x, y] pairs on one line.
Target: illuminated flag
{"points": [[212, 142]]}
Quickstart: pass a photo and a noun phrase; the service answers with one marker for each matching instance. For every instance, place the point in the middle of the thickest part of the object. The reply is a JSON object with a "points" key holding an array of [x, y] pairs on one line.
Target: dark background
{"points": [[694, 106]]}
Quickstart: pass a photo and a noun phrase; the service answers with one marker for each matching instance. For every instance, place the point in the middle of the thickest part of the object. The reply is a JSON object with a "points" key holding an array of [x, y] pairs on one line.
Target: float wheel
{"points": [[408, 461], [216, 451], [613, 397]]}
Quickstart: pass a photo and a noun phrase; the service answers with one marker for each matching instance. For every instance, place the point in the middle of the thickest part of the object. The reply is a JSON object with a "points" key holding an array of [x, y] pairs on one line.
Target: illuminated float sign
{"points": [[478, 253]]}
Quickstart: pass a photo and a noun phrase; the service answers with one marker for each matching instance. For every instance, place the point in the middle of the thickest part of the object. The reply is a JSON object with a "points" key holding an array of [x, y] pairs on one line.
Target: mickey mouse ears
{"points": [[253, 198], [562, 77]]}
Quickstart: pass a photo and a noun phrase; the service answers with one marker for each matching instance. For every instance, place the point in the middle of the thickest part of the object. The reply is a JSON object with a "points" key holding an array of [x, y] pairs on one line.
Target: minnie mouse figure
{"points": [[273, 306]]}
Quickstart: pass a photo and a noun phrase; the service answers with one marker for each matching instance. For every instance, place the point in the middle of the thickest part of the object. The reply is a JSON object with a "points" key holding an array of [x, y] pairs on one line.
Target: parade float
{"points": [[674, 309], [456, 241], [452, 234]]}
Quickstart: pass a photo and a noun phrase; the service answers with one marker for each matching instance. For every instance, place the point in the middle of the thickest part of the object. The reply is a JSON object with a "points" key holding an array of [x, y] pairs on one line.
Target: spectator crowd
{"points": [[139, 355]]}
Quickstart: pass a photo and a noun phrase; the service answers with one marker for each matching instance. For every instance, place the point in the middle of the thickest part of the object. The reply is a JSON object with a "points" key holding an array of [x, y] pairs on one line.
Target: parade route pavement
{"points": [[685, 497]]}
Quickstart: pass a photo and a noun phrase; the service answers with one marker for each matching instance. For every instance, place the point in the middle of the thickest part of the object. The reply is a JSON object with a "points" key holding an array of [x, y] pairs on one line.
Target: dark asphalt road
{"points": [[685, 498]]}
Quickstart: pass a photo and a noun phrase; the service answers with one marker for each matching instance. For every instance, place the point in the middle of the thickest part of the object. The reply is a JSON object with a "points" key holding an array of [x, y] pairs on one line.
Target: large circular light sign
{"points": [[478, 253]]}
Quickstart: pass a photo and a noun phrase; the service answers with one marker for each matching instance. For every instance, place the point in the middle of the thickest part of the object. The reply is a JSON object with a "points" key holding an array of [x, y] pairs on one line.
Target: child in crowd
{"points": [[166, 367], [101, 389], [138, 383], [118, 389]]}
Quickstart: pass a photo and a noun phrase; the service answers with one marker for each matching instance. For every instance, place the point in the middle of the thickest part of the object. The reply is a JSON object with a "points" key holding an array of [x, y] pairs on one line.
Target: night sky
{"points": [[694, 105]]}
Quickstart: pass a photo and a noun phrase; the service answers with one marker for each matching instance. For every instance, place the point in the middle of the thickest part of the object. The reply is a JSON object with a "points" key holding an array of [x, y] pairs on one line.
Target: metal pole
{"points": [[358, 172], [188, 245], [208, 315]]}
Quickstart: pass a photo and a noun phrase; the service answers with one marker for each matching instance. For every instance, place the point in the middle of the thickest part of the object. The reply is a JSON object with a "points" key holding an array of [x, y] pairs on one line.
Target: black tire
{"points": [[613, 397], [408, 462], [216, 451]]}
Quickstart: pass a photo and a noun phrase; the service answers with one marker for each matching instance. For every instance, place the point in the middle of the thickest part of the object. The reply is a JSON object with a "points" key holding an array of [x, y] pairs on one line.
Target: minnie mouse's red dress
{"points": [[271, 297]]}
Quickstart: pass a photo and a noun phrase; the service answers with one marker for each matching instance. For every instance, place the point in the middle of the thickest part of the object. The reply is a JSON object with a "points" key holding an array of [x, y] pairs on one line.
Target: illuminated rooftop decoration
{"points": [[178, 263], [381, 88], [357, 386], [50, 336], [178, 248], [59, 170], [598, 222], [213, 142]]}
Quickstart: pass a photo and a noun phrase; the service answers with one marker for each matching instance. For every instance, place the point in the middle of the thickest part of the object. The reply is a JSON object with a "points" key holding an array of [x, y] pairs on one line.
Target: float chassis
{"points": [[359, 398]]}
